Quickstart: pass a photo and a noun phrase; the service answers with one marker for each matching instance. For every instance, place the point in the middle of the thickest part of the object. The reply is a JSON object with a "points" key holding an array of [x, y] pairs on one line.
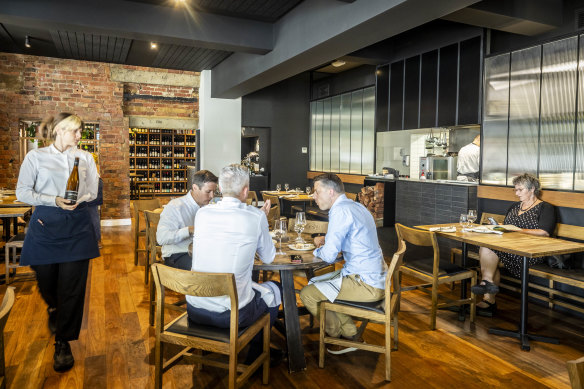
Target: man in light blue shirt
{"points": [[352, 231]]}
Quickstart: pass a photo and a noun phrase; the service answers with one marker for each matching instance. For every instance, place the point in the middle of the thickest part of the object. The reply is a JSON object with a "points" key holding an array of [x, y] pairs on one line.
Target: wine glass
{"points": [[278, 187], [299, 225], [463, 220], [472, 216], [286, 187], [280, 227], [308, 189]]}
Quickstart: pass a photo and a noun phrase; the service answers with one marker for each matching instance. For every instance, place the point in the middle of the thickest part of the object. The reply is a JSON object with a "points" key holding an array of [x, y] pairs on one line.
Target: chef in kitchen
{"points": [[468, 161]]}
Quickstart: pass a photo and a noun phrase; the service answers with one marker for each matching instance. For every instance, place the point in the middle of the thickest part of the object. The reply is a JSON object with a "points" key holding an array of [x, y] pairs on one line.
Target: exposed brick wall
{"points": [[32, 87]]}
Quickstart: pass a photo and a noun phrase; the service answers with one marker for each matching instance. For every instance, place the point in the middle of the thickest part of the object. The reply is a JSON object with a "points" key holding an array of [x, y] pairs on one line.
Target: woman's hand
{"points": [[65, 204]]}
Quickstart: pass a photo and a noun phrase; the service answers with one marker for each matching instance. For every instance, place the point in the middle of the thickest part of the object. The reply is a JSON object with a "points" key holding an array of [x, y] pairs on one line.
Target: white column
{"points": [[220, 124]]}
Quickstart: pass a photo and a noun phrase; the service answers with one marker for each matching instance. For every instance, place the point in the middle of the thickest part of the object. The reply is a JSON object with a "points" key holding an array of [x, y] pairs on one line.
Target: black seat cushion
{"points": [[376, 306], [425, 265], [184, 326]]}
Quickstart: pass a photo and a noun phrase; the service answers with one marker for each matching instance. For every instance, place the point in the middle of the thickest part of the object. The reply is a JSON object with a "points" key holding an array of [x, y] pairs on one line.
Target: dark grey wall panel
{"points": [[429, 89], [396, 96], [412, 93], [447, 85], [469, 81]]}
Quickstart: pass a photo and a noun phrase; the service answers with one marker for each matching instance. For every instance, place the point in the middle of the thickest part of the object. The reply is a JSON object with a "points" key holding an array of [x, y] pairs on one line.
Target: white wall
{"points": [[220, 124]]}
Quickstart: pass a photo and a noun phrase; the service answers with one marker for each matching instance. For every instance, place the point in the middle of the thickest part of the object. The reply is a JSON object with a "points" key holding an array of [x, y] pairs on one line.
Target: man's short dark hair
{"points": [[201, 177], [330, 180]]}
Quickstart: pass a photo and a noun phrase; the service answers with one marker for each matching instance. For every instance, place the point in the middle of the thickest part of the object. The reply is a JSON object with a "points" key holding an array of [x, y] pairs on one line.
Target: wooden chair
{"points": [[576, 373], [182, 332], [274, 200], [433, 270], [273, 215], [139, 206], [7, 304], [145, 191], [252, 198], [384, 311]]}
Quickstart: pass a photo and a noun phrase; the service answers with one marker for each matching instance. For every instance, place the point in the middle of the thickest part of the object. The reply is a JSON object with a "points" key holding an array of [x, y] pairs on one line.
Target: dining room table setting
{"points": [[507, 239]]}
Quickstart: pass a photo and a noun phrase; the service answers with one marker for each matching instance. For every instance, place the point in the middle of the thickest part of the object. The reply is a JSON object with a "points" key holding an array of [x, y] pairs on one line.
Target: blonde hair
{"points": [[66, 121]]}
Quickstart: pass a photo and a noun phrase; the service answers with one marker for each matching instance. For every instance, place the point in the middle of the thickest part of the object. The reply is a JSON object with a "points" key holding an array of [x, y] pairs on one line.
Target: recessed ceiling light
{"points": [[27, 41], [338, 63], [153, 45]]}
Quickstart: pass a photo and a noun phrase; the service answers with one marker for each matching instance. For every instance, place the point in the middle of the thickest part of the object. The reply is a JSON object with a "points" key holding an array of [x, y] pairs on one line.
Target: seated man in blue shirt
{"points": [[352, 231], [177, 220]]}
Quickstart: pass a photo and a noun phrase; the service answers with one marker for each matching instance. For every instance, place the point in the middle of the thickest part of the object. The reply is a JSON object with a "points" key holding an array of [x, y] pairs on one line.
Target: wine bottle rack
{"points": [[160, 157]]}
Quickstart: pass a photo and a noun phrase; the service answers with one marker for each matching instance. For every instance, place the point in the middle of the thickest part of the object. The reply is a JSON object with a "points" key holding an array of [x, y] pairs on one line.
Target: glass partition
{"points": [[496, 120], [579, 170], [343, 133], [558, 101], [524, 112]]}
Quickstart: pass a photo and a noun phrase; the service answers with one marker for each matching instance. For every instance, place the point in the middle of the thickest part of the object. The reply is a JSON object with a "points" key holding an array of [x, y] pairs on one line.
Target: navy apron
{"points": [[56, 235]]}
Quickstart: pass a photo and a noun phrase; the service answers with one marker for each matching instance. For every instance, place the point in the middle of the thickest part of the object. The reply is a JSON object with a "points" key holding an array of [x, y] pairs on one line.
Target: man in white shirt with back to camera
{"points": [[177, 220], [227, 236], [468, 161]]}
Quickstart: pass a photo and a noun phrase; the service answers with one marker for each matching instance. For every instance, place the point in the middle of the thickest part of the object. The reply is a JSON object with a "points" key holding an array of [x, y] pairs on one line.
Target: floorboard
{"points": [[115, 343]]}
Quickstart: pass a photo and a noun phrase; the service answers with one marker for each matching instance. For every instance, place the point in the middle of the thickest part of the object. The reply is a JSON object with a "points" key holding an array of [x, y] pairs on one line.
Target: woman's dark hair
{"points": [[529, 181]]}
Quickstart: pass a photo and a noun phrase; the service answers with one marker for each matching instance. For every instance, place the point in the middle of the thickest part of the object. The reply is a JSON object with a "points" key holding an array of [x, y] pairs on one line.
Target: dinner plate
{"points": [[301, 246]]}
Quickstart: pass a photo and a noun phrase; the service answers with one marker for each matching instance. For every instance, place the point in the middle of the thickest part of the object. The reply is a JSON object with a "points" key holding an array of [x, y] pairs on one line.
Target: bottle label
{"points": [[71, 195]]}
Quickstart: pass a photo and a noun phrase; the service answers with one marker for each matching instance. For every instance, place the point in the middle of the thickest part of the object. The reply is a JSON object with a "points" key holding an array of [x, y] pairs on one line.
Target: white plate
{"points": [[301, 247]]}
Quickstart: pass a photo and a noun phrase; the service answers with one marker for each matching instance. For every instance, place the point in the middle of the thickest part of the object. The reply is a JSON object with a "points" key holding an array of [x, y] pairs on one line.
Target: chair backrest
{"points": [[273, 214], [392, 277], [194, 283], [419, 238], [251, 198], [274, 200], [144, 205], [152, 219], [7, 304], [312, 226], [498, 218], [576, 373], [352, 196]]}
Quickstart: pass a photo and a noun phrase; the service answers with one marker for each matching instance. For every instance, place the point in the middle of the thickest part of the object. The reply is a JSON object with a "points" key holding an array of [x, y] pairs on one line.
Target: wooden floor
{"points": [[114, 348]]}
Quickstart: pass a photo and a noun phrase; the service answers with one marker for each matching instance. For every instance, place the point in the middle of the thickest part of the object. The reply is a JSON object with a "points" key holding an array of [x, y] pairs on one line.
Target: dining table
{"points": [[284, 265], [12, 213], [521, 244], [291, 196]]}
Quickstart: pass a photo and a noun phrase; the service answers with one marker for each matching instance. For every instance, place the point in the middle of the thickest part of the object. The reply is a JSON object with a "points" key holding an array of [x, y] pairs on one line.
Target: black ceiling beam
{"points": [[176, 25]]}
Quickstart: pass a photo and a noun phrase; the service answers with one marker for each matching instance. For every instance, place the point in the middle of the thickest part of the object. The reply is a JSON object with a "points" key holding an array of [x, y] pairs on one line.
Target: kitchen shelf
{"points": [[160, 157]]}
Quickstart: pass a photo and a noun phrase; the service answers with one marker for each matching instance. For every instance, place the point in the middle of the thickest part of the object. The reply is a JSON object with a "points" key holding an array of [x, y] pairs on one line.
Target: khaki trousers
{"points": [[352, 289]]}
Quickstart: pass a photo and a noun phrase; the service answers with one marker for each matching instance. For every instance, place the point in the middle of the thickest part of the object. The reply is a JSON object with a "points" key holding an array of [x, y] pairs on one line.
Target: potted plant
{"points": [[30, 133]]}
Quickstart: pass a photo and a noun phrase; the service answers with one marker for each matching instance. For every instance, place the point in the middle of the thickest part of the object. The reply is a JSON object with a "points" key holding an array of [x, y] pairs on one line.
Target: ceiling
{"points": [[248, 44]]}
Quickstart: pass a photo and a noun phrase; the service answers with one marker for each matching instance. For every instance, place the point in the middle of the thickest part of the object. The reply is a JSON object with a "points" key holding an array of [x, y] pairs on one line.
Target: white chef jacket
{"points": [[468, 159], [227, 236], [44, 173], [173, 228]]}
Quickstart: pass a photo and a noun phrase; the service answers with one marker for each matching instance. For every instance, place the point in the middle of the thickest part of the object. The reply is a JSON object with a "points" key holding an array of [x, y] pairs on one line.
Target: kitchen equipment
{"points": [[438, 168]]}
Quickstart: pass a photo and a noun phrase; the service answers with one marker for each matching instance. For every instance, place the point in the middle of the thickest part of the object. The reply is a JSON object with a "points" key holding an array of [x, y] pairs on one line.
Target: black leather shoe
{"points": [[52, 320], [485, 287], [63, 358], [487, 311]]}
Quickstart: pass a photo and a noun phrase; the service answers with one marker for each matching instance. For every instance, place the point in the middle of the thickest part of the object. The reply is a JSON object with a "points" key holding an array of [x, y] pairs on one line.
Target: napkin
{"points": [[482, 230], [443, 229]]}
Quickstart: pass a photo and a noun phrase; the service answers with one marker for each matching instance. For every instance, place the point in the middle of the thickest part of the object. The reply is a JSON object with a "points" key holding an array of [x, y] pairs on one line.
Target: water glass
{"points": [[299, 225], [463, 220], [286, 187], [278, 187], [472, 215], [308, 189], [280, 227]]}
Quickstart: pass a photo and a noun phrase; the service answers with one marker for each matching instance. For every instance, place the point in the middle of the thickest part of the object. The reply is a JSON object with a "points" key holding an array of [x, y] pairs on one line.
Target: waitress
{"points": [[60, 239]]}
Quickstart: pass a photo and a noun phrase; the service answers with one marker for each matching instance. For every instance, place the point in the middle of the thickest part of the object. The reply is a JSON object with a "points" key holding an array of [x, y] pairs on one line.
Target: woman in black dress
{"points": [[533, 216]]}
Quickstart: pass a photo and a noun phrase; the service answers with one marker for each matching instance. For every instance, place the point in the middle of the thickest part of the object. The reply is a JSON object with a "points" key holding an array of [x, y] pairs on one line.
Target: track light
{"points": [[338, 63], [27, 41], [153, 45]]}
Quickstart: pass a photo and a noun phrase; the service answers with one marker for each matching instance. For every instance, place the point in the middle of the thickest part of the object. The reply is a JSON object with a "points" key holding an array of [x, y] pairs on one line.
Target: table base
{"points": [[524, 338]]}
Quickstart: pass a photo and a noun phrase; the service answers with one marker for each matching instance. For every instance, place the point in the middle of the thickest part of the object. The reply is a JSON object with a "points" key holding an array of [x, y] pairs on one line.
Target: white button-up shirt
{"points": [[173, 228], [468, 159], [44, 173], [227, 236]]}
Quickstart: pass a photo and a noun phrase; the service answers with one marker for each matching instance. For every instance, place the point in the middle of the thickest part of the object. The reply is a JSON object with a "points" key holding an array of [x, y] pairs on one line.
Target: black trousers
{"points": [[62, 286]]}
